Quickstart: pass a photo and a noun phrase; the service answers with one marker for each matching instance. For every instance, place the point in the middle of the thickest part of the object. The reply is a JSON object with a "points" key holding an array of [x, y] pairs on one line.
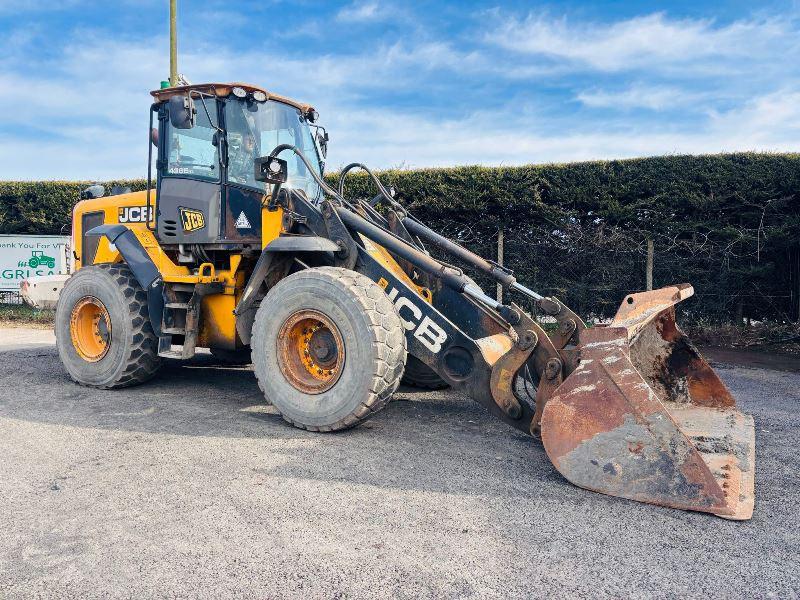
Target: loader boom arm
{"points": [[630, 409]]}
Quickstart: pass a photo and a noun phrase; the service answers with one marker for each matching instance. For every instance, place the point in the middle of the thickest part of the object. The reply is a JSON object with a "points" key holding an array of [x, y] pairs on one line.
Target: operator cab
{"points": [[208, 138]]}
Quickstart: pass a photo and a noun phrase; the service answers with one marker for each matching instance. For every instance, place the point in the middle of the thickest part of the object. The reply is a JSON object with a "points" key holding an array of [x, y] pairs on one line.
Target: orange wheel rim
{"points": [[90, 329], [310, 351]]}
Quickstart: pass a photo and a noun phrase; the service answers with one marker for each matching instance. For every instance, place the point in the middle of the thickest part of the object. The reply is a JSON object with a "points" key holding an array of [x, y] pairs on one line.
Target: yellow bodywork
{"points": [[217, 321]]}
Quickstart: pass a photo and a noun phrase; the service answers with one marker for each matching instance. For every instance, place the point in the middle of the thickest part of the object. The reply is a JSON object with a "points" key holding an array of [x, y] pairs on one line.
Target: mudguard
{"points": [[142, 266]]}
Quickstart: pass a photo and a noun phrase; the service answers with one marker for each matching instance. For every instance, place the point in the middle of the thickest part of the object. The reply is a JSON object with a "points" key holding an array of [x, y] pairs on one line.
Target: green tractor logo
{"points": [[39, 258]]}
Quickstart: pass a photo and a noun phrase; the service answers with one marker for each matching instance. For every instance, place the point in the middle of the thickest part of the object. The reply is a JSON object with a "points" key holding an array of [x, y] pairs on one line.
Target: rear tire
{"points": [[354, 333], [420, 375], [128, 353]]}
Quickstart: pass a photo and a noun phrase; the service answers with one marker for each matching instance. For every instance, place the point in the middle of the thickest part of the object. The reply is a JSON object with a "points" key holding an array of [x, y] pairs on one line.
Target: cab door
{"points": [[189, 179]]}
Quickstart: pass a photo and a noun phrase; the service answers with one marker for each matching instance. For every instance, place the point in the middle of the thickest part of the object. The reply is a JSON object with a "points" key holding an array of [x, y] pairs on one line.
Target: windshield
{"points": [[255, 129]]}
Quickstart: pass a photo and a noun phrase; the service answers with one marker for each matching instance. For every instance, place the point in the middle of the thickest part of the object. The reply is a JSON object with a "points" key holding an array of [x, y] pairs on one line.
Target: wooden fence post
{"points": [[500, 262]]}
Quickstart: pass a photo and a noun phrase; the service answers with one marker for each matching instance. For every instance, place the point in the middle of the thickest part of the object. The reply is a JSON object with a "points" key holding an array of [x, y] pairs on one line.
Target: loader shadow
{"points": [[199, 398], [438, 441]]}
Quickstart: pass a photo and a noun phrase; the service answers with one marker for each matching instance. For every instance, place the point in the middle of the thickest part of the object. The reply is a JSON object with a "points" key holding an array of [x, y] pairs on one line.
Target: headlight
{"points": [[259, 96], [239, 92]]}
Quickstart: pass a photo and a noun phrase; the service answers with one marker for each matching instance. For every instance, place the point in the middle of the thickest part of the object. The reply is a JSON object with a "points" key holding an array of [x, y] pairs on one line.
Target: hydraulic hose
{"points": [[505, 278], [381, 188], [320, 181], [453, 278], [383, 193]]}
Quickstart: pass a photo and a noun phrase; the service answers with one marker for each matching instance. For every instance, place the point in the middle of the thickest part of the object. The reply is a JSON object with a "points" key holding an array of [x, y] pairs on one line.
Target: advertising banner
{"points": [[23, 256]]}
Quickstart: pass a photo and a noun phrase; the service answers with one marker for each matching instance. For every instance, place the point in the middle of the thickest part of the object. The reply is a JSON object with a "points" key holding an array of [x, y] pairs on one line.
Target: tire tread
{"points": [[142, 360], [389, 346]]}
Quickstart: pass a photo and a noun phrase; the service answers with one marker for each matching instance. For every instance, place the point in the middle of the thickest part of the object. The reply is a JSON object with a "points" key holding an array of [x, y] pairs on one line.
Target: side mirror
{"points": [[322, 142], [271, 169], [182, 113]]}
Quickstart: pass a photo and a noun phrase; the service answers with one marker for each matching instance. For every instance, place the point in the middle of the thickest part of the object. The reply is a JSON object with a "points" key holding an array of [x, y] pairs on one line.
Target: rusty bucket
{"points": [[645, 417]]}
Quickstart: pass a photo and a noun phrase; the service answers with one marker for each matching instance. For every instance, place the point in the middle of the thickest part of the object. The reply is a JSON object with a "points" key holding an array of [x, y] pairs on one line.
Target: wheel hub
{"points": [[322, 346], [310, 351], [90, 329]]}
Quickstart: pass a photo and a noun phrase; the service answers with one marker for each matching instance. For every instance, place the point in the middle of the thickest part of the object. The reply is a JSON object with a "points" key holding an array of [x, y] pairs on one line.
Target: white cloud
{"points": [[649, 96], [306, 29], [84, 113], [767, 123], [361, 12], [91, 101], [770, 121], [382, 66], [641, 41]]}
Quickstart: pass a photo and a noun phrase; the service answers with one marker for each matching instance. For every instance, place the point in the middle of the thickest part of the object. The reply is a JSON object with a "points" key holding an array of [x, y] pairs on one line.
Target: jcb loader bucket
{"points": [[644, 416]]}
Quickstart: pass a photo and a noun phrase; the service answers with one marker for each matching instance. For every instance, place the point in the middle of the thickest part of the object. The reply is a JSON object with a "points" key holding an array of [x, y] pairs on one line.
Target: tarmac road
{"points": [[190, 486]]}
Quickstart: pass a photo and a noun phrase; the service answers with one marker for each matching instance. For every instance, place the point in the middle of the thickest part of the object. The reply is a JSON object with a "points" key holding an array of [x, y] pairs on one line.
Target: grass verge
{"points": [[22, 315], [780, 338]]}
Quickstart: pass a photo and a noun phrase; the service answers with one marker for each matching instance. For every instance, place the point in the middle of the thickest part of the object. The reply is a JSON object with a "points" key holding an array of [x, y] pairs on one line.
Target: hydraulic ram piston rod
{"points": [[522, 289], [449, 246]]}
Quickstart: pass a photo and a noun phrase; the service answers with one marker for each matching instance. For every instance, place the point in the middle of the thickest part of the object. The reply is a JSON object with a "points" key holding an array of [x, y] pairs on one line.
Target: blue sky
{"points": [[409, 84]]}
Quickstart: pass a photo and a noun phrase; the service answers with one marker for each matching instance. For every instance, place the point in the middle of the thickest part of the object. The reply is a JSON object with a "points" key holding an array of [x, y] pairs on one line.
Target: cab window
{"points": [[191, 152]]}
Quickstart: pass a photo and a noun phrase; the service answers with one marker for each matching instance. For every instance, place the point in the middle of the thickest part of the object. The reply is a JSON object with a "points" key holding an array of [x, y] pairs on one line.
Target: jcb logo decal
{"points": [[135, 214], [192, 219], [425, 329]]}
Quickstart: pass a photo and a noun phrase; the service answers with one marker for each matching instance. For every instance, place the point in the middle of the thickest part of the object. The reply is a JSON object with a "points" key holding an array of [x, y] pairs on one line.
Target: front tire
{"points": [[328, 348], [103, 331]]}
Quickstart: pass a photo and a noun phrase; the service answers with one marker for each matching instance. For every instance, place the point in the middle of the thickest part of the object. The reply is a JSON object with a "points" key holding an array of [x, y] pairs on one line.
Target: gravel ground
{"points": [[190, 486]]}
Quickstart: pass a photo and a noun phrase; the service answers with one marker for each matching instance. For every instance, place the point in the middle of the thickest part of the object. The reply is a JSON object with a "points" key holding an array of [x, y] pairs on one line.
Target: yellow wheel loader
{"points": [[243, 248]]}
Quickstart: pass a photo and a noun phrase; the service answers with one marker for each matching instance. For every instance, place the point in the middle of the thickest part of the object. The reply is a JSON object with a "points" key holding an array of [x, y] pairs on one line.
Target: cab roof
{"points": [[223, 90]]}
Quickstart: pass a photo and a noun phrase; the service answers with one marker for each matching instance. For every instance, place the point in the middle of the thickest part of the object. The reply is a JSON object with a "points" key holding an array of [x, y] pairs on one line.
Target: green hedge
{"points": [[45, 207], [729, 224]]}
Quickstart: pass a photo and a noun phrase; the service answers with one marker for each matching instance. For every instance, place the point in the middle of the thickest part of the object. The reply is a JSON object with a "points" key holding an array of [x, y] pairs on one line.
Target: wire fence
{"points": [[592, 267], [10, 297]]}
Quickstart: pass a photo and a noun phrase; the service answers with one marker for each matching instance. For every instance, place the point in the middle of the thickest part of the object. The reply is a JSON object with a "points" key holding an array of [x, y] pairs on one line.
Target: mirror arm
{"points": [[321, 142]]}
